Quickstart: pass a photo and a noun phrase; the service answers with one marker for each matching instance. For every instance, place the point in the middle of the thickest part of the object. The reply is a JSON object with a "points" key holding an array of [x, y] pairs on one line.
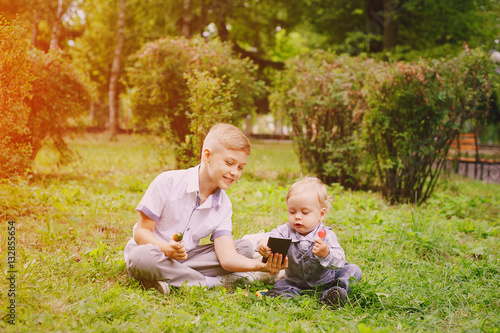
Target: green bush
{"points": [[210, 102], [15, 89], [158, 91], [60, 100], [41, 96], [324, 96], [371, 124], [418, 110]]}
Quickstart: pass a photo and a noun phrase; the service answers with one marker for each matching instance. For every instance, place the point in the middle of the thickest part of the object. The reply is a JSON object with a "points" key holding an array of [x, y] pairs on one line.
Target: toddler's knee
{"points": [[355, 271]]}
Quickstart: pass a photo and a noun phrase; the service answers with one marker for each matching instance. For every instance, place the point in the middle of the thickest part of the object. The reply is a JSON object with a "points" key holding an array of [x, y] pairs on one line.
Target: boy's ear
{"points": [[206, 156]]}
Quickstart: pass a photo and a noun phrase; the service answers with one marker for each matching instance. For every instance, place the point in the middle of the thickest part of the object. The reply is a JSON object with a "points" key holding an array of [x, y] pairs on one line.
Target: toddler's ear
{"points": [[322, 213]]}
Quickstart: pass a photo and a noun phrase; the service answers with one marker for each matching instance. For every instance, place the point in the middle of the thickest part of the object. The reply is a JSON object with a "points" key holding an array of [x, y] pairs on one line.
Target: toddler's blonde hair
{"points": [[308, 182]]}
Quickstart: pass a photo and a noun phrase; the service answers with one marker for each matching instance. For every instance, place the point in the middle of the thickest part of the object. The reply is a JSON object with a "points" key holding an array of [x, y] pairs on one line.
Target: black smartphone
{"points": [[278, 245]]}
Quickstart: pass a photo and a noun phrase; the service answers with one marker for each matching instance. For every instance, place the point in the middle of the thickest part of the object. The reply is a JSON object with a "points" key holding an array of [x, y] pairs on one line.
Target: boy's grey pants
{"points": [[147, 262]]}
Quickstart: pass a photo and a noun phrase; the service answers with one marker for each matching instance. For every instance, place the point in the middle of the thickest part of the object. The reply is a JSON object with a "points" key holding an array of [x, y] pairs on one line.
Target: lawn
{"points": [[433, 268]]}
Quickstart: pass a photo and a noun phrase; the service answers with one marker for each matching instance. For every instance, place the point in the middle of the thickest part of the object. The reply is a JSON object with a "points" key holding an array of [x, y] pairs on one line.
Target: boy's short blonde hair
{"points": [[227, 136], [308, 182]]}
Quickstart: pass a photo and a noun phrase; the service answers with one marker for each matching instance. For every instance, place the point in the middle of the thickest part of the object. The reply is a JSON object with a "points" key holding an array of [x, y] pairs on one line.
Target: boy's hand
{"points": [[321, 249], [175, 250], [264, 250], [275, 263]]}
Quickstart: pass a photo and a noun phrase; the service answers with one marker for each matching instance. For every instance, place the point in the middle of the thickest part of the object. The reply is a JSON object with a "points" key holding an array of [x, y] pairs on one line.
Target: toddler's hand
{"points": [[175, 250], [264, 250], [321, 249]]}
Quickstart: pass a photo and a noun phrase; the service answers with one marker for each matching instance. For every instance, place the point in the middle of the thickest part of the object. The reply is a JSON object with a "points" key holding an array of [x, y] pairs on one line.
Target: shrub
{"points": [[210, 102], [41, 95], [324, 98], [415, 115], [60, 99], [369, 124], [158, 90], [15, 89]]}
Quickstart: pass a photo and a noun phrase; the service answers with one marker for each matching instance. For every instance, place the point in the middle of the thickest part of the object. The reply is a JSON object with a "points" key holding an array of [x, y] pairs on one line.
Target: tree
{"points": [[60, 99], [41, 96], [143, 22], [115, 74], [15, 83], [56, 29], [51, 22], [404, 24]]}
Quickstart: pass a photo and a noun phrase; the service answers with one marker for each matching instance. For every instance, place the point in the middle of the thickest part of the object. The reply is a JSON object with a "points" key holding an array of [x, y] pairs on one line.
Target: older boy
{"points": [[194, 202]]}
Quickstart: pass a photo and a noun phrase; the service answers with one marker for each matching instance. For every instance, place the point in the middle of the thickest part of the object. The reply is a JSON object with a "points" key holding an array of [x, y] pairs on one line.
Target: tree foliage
{"points": [[15, 84], [210, 102], [401, 26], [41, 96], [60, 99], [158, 90]]}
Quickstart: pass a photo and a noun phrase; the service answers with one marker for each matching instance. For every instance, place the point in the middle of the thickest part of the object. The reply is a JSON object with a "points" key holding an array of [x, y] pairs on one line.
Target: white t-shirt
{"points": [[173, 202]]}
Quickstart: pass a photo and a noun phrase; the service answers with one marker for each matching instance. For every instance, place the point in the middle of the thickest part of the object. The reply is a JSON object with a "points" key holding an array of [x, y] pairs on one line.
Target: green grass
{"points": [[433, 268]]}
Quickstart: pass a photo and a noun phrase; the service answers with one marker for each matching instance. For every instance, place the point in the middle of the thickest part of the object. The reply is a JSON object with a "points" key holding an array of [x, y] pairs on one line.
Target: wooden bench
{"points": [[466, 148], [462, 158]]}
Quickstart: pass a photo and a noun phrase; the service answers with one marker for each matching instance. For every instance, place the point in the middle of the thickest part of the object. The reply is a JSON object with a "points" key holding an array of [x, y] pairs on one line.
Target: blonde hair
{"points": [[308, 182], [227, 136]]}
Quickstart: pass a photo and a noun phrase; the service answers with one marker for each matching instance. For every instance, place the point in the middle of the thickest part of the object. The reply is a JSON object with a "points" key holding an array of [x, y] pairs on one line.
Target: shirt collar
{"points": [[193, 179], [193, 185], [296, 237]]}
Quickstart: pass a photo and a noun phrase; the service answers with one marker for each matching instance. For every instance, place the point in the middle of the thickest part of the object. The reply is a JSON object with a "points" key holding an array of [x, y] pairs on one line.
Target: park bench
{"points": [[475, 160]]}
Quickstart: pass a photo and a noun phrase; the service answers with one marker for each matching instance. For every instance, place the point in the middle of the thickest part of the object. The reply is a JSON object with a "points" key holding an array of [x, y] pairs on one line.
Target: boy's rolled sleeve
{"points": [[225, 228], [145, 210], [153, 201]]}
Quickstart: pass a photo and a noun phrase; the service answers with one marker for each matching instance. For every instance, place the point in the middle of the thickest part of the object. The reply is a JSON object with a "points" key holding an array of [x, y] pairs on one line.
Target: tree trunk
{"points": [[34, 32], [375, 9], [115, 75], [390, 38], [186, 19], [203, 17], [56, 29]]}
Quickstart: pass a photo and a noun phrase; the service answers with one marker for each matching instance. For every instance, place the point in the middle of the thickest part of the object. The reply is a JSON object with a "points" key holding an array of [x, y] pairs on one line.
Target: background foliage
{"points": [[366, 123], [419, 109], [15, 81], [60, 100], [323, 96], [42, 96], [210, 102], [161, 99]]}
